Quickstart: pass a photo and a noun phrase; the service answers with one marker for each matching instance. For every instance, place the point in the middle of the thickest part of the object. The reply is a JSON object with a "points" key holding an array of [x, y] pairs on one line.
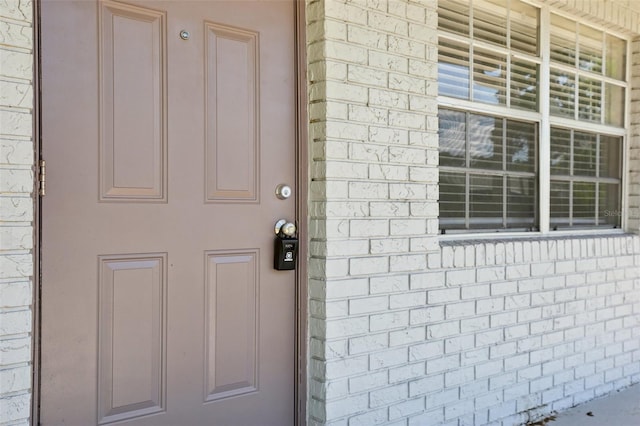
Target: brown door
{"points": [[167, 127]]}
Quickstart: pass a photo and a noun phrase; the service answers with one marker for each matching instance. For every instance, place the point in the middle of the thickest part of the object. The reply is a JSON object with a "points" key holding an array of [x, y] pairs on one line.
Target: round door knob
{"points": [[288, 229], [285, 228], [283, 191]]}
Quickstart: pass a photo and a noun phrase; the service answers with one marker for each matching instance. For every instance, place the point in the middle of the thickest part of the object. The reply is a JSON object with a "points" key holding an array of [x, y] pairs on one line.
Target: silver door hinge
{"points": [[42, 178]]}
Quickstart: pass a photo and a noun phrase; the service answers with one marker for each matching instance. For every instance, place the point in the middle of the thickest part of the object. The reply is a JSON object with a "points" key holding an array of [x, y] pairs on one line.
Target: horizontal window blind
{"points": [[490, 54]]}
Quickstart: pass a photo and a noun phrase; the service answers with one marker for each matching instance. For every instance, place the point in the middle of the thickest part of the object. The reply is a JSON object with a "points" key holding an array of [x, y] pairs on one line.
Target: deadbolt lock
{"points": [[283, 191]]}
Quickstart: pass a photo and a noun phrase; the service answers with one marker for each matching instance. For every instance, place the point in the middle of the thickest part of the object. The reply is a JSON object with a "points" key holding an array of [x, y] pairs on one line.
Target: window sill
{"points": [[495, 237]]}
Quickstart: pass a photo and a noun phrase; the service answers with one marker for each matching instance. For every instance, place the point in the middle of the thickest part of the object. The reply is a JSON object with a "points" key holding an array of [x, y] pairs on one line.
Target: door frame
{"points": [[37, 228], [302, 193], [301, 209]]}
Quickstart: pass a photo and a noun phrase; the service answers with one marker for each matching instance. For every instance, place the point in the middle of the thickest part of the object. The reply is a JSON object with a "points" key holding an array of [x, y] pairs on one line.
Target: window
{"points": [[487, 171], [502, 127], [585, 179]]}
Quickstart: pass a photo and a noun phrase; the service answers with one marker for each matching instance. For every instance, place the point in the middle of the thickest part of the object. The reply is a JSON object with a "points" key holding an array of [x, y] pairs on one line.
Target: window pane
{"points": [[610, 156], [584, 154], [485, 201], [485, 142], [452, 200], [521, 202], [579, 207], [521, 146], [609, 212], [616, 57], [563, 40], [560, 203], [590, 49], [489, 77], [562, 88], [524, 27], [589, 99], [452, 134], [584, 203], [614, 105], [524, 85], [560, 151], [453, 69], [453, 16], [490, 21]]}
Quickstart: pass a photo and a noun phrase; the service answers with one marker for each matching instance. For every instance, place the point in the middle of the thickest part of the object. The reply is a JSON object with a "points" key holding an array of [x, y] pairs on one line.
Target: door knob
{"points": [[285, 228]]}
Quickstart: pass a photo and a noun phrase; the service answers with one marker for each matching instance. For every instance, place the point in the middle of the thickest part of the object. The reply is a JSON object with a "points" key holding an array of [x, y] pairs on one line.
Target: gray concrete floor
{"points": [[618, 409]]}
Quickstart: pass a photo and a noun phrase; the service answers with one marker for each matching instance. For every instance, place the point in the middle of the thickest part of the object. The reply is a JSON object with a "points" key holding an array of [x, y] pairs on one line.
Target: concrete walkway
{"points": [[618, 409]]}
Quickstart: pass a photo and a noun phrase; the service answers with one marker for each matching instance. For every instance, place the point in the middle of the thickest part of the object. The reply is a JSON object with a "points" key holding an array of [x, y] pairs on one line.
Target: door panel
{"points": [[131, 350], [232, 356], [132, 103], [232, 110], [159, 302]]}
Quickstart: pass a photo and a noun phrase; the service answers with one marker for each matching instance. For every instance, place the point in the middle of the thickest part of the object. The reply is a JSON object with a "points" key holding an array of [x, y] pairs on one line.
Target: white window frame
{"points": [[545, 121]]}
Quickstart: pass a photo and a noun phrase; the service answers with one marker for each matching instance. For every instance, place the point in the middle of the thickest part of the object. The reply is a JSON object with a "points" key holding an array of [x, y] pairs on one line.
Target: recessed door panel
{"points": [[132, 155], [131, 336], [232, 290], [232, 113]]}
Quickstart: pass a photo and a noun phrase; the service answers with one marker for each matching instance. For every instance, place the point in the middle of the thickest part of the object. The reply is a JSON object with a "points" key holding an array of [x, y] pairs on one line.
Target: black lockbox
{"points": [[285, 253]]}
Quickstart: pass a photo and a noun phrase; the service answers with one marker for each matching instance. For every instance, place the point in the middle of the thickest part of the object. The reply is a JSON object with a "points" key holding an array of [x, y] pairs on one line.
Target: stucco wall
{"points": [[406, 328], [16, 209]]}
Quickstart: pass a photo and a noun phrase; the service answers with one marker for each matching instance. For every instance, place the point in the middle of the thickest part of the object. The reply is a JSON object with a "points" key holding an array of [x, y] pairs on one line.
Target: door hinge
{"points": [[42, 178]]}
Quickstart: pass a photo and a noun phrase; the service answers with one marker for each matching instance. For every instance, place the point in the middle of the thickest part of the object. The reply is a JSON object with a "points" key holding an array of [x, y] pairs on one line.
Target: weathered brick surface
{"points": [[16, 209], [634, 137], [423, 331]]}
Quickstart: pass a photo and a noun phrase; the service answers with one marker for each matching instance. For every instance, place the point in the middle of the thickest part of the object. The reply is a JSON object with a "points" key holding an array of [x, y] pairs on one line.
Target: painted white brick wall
{"points": [[390, 341], [16, 209], [374, 158], [634, 149], [405, 329]]}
